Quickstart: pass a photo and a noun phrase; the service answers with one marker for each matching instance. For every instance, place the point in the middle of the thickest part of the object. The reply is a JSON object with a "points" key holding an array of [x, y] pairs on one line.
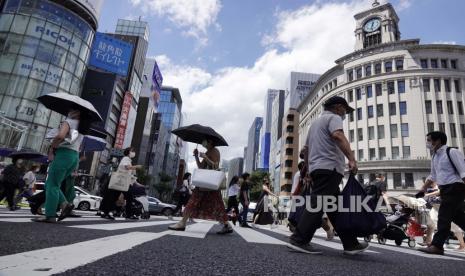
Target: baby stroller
{"points": [[405, 223], [138, 203]]}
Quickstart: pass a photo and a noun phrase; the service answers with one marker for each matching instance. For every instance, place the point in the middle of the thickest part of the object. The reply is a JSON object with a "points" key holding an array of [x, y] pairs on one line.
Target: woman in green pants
{"points": [[64, 157]]}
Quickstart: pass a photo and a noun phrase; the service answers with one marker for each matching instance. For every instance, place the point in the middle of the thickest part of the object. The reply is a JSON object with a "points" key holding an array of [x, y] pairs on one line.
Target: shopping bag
{"points": [[360, 223], [208, 179], [120, 181]]}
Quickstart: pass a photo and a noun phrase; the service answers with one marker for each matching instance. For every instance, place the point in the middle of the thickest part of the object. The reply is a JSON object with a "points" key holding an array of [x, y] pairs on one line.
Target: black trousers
{"points": [[183, 199], [9, 193], [325, 183], [232, 203], [110, 197], [452, 209]]}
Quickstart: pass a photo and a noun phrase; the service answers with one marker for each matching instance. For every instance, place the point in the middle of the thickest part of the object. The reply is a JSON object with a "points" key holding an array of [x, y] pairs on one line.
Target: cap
{"points": [[338, 100]]}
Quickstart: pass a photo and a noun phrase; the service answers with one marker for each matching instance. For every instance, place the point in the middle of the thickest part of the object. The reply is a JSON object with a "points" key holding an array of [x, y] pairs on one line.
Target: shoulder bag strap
{"points": [[450, 160]]}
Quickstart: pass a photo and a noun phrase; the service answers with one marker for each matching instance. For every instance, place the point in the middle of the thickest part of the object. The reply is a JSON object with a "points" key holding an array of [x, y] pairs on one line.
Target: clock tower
{"points": [[375, 26]]}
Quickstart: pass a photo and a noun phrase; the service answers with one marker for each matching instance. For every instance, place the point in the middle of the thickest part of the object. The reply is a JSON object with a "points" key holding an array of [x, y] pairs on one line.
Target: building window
{"points": [[462, 130], [394, 133], [358, 92], [409, 180], [450, 107], [460, 107], [359, 113], [392, 109], [351, 135], [368, 70], [403, 108], [388, 66], [379, 89], [439, 107], [399, 64], [360, 155], [378, 68], [358, 71], [428, 107], [404, 130], [380, 132], [288, 175], [406, 152], [453, 64], [401, 86], [372, 154], [369, 90], [351, 95], [426, 86], [424, 63], [391, 87], [370, 111], [442, 127], [453, 131], [457, 86], [360, 134], [382, 153], [350, 74], [430, 127], [371, 133], [288, 163], [437, 85], [447, 85], [351, 116], [443, 63], [395, 153], [397, 178], [379, 110], [289, 151], [434, 63]]}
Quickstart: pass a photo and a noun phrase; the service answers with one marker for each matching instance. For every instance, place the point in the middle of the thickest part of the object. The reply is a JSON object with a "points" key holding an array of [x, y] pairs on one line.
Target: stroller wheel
{"points": [[368, 238], [381, 240], [398, 242], [411, 243]]}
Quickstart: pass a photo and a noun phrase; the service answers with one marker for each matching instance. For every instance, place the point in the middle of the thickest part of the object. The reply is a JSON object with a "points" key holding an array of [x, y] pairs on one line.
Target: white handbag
{"points": [[208, 179], [120, 181]]}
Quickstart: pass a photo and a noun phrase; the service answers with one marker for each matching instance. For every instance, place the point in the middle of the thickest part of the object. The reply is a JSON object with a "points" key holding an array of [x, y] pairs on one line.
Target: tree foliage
{"points": [[256, 182], [163, 187]]}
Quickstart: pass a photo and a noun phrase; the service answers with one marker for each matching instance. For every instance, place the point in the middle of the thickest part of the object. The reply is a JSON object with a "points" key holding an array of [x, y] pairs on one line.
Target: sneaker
{"points": [[226, 230], [177, 227], [108, 216], [132, 218], [359, 248], [303, 248]]}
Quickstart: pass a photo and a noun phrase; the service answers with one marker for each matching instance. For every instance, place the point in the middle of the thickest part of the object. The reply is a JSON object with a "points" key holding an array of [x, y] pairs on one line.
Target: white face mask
{"points": [[38, 170], [132, 154], [429, 145], [343, 117]]}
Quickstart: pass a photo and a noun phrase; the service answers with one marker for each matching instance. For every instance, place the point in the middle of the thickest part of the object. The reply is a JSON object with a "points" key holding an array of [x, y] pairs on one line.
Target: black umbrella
{"points": [[63, 102], [27, 154], [197, 134]]}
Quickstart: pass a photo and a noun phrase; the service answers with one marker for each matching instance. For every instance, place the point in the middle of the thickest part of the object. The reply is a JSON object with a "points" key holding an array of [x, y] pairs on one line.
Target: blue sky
{"points": [[223, 55]]}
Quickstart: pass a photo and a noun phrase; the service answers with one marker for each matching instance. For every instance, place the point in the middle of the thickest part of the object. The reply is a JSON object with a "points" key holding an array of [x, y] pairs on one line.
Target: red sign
{"points": [[123, 120]]}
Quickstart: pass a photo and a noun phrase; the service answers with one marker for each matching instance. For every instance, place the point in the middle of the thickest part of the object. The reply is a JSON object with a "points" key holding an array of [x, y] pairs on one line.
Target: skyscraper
{"points": [[265, 132], [253, 144]]}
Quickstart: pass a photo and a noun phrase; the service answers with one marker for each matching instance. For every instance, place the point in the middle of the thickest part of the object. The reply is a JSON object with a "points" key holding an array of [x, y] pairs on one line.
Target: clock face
{"points": [[372, 25]]}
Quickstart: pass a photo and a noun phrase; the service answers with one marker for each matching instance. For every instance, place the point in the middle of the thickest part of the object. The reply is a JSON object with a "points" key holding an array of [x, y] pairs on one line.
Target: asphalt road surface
{"points": [[92, 246]]}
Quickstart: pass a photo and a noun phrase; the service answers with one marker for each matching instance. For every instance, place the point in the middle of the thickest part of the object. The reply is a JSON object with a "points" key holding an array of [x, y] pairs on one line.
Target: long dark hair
{"points": [[234, 180]]}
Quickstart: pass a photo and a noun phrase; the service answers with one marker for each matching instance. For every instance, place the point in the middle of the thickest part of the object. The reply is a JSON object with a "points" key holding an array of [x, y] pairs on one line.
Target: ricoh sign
{"points": [[55, 34]]}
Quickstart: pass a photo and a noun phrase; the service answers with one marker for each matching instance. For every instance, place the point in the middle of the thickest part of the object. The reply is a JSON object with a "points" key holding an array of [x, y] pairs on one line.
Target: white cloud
{"points": [[445, 42], [312, 37], [193, 16], [404, 4]]}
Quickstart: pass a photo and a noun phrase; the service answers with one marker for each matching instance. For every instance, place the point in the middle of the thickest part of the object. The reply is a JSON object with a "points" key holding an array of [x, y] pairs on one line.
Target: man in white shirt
{"points": [[448, 171]]}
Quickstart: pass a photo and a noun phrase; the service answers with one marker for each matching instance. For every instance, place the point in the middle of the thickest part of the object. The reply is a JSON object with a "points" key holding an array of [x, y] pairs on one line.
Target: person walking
{"points": [[12, 176], [184, 193], [263, 215], [233, 205], [448, 171], [111, 196], [205, 204], [327, 146], [64, 158], [244, 198], [29, 179]]}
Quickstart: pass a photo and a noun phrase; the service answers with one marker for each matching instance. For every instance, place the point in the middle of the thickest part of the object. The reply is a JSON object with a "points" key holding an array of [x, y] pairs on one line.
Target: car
{"points": [[85, 201], [157, 207]]}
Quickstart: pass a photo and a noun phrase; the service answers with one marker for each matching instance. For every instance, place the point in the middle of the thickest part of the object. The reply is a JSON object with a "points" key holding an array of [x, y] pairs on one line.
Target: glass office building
{"points": [[44, 48]]}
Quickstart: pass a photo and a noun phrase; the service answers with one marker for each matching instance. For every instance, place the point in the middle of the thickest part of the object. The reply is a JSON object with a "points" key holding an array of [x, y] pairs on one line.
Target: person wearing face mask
{"points": [[29, 182], [327, 148], [448, 171], [205, 204], [64, 157], [111, 196], [11, 179]]}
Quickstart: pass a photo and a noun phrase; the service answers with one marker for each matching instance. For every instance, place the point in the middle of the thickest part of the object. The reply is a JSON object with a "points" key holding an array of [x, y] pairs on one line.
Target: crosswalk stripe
{"points": [[22, 220], [197, 230], [253, 236], [120, 226], [59, 259]]}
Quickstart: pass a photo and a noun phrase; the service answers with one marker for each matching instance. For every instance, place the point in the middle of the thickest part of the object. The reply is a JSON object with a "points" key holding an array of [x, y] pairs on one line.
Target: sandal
{"points": [[177, 227]]}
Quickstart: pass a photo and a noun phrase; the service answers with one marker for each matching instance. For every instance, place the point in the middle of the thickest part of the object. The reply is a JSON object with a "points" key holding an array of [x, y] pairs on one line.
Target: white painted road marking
{"points": [[197, 230], [120, 226], [253, 236], [53, 260]]}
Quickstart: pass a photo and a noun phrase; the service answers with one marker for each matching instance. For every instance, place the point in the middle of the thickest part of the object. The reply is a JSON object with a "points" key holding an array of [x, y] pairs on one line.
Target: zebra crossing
{"points": [[58, 259]]}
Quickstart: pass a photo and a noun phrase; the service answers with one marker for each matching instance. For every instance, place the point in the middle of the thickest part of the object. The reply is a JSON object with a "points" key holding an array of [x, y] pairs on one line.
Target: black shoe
{"points": [[46, 219], [359, 248], [303, 248], [66, 211], [132, 218], [226, 230], [34, 207], [107, 216], [246, 225]]}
